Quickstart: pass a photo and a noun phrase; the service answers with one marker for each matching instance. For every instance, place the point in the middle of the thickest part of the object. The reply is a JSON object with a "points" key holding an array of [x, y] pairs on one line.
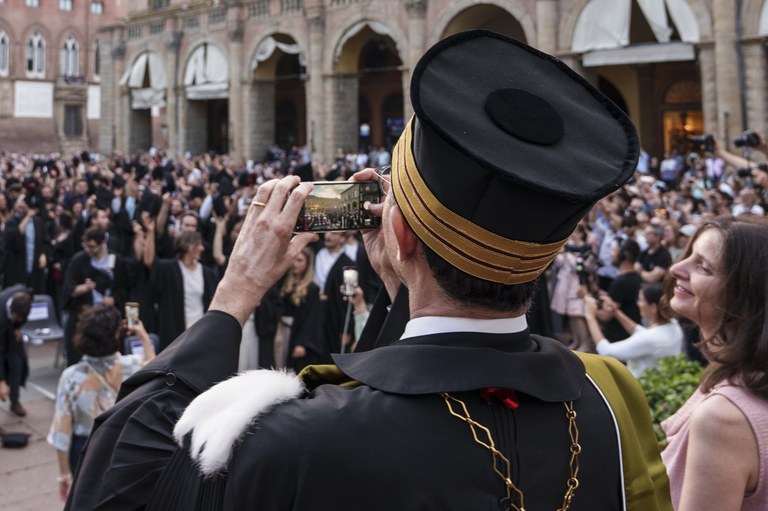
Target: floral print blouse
{"points": [[82, 395]]}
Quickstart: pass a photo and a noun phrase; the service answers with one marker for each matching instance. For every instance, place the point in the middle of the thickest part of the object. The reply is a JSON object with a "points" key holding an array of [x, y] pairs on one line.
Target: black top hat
{"points": [[507, 151]]}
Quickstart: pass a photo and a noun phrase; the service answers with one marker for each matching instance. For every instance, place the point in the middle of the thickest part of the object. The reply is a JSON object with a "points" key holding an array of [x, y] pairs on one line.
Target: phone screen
{"points": [[339, 206], [137, 348]]}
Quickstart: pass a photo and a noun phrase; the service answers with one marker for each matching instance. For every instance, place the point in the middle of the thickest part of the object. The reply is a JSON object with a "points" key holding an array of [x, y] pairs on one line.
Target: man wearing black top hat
{"points": [[507, 150]]}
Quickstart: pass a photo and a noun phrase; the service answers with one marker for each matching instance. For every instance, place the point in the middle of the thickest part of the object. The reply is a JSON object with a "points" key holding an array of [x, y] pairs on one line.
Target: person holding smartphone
{"points": [[88, 388], [507, 151]]}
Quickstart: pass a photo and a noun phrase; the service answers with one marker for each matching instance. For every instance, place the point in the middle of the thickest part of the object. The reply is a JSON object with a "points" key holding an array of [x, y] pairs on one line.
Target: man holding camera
{"points": [[466, 410]]}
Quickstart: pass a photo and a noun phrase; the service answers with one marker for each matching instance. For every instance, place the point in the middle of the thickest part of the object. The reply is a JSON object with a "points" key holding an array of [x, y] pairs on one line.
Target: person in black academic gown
{"points": [[24, 221], [167, 284], [398, 427], [93, 275], [292, 314]]}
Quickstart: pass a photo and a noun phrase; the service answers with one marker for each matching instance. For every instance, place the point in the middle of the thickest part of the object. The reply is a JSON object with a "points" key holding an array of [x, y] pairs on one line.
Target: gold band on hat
{"points": [[462, 243]]}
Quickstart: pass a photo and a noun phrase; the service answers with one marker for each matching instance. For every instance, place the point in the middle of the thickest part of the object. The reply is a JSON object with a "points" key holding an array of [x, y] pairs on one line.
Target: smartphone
{"points": [[339, 206]]}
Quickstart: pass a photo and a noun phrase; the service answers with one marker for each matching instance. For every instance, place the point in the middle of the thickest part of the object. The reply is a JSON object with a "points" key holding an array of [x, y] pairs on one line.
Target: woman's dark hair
{"points": [[97, 329], [185, 241], [653, 292], [472, 291], [741, 337], [66, 220]]}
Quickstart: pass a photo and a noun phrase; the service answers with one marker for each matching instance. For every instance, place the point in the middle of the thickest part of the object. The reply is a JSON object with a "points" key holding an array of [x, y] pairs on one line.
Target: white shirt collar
{"points": [[429, 325]]}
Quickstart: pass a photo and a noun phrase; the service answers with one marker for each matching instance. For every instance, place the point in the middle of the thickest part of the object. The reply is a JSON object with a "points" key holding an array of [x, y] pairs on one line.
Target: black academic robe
{"points": [[10, 347], [335, 308], [167, 285], [392, 443], [306, 329], [388, 443], [15, 267], [78, 270]]}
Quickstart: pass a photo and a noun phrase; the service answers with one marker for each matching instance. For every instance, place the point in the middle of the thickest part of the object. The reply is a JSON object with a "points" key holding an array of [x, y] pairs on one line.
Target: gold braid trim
{"points": [[465, 245]]}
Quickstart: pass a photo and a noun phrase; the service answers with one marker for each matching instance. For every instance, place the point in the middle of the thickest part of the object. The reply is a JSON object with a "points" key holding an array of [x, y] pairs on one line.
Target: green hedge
{"points": [[668, 387]]}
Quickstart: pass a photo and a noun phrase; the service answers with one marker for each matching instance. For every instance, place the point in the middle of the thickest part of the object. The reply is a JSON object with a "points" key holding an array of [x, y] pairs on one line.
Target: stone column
{"points": [[263, 111], [754, 63], [248, 122], [726, 69], [416, 46], [109, 87], [117, 98], [174, 88], [236, 133], [342, 112], [313, 86], [709, 105], [645, 118], [546, 25]]}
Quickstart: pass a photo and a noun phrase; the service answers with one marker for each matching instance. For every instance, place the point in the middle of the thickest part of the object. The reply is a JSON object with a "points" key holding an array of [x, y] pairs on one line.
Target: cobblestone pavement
{"points": [[28, 475]]}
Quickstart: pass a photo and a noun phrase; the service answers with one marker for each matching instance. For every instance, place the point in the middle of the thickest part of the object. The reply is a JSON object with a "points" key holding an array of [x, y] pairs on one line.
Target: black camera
{"points": [[582, 253], [749, 138], [705, 141]]}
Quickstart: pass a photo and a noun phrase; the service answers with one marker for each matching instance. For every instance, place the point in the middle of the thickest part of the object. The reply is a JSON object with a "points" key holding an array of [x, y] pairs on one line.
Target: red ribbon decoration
{"points": [[507, 396]]}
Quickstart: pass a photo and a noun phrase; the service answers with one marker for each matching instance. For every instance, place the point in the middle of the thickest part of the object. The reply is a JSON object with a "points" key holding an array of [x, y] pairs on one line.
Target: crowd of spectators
{"points": [[606, 285], [145, 228]]}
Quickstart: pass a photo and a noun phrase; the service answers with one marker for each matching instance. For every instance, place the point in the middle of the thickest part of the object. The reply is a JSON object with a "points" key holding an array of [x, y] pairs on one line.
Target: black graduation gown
{"points": [[306, 329], [15, 269], [131, 459], [9, 347], [167, 286], [78, 270], [391, 443], [335, 308]]}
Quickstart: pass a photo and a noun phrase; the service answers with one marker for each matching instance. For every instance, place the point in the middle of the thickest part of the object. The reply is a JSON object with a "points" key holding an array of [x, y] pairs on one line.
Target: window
{"points": [[65, 5], [97, 7], [33, 3], [4, 53], [96, 59], [36, 56], [73, 120], [69, 57]]}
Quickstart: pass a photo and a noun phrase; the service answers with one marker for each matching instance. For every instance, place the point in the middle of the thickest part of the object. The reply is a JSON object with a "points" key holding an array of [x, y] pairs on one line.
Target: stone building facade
{"points": [[49, 73], [237, 76]]}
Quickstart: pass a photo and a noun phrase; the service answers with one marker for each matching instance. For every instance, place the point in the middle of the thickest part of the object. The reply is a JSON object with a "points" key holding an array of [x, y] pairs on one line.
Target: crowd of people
{"points": [[147, 229]]}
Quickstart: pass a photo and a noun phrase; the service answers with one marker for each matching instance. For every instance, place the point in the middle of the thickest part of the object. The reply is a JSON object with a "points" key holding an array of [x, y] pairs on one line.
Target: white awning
{"points": [[763, 27], [207, 75], [208, 91], [144, 99], [640, 54], [604, 24], [147, 62], [377, 27], [269, 45]]}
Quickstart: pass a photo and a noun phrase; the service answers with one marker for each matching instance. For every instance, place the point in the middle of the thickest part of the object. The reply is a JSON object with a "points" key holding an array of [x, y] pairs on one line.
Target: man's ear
{"points": [[407, 242]]}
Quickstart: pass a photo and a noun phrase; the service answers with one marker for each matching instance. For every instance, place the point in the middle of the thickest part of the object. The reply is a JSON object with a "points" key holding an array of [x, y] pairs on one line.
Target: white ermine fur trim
{"points": [[220, 416]]}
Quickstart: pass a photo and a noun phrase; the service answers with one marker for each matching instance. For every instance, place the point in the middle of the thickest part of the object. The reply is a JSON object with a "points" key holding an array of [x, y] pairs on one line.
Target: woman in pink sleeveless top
{"points": [[717, 457]]}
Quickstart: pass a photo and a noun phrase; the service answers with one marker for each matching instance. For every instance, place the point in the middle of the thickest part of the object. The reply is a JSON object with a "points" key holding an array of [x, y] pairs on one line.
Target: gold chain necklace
{"points": [[499, 459]]}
